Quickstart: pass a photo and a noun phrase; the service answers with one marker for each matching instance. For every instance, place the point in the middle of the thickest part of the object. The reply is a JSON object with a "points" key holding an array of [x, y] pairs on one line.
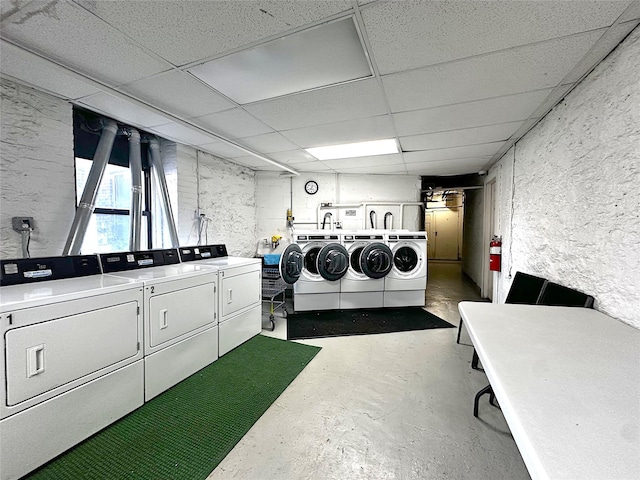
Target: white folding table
{"points": [[568, 383]]}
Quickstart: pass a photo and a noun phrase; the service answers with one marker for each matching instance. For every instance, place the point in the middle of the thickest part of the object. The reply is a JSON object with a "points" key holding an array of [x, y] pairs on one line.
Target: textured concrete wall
{"points": [[472, 250], [37, 179], [568, 193], [275, 194], [36, 169], [227, 198]]}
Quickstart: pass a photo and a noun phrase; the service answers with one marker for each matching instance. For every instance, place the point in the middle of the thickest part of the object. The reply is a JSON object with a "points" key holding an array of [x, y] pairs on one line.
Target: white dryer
{"points": [[239, 299], [370, 260], [406, 283], [325, 262], [180, 325], [72, 356]]}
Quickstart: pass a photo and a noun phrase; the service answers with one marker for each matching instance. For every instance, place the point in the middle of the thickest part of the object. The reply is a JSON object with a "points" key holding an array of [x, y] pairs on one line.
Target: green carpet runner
{"points": [[186, 431]]}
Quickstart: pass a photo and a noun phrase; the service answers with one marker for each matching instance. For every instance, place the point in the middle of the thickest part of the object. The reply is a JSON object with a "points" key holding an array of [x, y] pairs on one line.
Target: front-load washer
{"points": [[406, 283], [180, 325], [370, 260], [240, 295], [72, 356], [325, 262]]}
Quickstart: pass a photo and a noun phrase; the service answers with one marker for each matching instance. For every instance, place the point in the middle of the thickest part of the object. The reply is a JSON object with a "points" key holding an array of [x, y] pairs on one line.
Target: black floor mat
{"points": [[363, 321]]}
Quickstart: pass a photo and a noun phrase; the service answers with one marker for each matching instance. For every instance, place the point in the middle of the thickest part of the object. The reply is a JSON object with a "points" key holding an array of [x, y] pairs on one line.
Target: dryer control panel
{"points": [[29, 270], [117, 262], [203, 252]]}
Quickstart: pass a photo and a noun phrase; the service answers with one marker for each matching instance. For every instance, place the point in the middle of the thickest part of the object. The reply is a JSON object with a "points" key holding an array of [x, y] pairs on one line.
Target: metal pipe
{"points": [[86, 205], [324, 220], [334, 205], [158, 169], [400, 205], [388, 214], [135, 165]]}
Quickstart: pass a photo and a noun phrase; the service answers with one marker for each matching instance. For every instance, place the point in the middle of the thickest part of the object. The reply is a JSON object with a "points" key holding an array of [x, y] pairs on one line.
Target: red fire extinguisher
{"points": [[495, 254]]}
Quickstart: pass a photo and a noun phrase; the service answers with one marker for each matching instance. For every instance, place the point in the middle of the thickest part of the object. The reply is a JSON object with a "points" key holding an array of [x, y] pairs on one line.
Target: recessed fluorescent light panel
{"points": [[351, 150], [317, 57]]}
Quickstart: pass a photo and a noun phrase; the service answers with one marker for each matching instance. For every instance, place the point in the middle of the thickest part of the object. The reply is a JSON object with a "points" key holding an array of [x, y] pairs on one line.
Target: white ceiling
{"points": [[455, 82]]}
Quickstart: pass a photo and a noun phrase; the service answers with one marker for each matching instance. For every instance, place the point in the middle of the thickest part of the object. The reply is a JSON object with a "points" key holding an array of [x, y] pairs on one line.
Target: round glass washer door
{"points": [[333, 261], [291, 264], [375, 260], [405, 259]]}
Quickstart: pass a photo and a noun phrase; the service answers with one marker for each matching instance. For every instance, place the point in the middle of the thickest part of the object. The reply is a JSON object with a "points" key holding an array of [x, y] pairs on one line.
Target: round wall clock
{"points": [[311, 187]]}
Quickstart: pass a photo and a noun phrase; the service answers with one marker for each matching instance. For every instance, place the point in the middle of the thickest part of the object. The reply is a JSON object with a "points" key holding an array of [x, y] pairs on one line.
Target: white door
{"points": [[444, 238]]}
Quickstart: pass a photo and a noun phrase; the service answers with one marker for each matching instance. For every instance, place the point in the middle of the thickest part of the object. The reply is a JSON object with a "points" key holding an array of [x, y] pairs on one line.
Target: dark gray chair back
{"points": [[561, 296], [525, 289]]}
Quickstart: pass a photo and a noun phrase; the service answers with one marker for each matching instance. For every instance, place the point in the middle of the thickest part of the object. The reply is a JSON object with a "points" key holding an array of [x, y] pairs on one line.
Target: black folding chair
{"points": [[560, 296], [525, 290]]}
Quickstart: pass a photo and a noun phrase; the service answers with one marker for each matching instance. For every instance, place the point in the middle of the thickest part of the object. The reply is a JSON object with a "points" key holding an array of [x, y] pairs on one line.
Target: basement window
{"points": [[110, 224]]}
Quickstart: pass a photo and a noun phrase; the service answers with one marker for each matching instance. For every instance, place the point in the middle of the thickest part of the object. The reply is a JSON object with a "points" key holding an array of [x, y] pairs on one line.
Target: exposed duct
{"points": [[87, 202], [158, 171], [135, 165]]}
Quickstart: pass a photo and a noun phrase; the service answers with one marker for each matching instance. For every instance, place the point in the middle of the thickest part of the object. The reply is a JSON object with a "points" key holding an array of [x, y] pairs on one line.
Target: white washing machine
{"points": [[370, 260], [325, 262], [72, 356], [239, 298], [406, 283], [180, 324]]}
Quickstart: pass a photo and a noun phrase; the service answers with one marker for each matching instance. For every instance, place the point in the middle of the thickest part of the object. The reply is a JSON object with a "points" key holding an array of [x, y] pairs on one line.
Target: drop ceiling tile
{"points": [[522, 69], [359, 99], [552, 99], [359, 130], [293, 156], [393, 159], [457, 138], [179, 93], [435, 32], [123, 110], [235, 123], [600, 50], [268, 143], [470, 114], [203, 29], [377, 170], [312, 167], [251, 161], [40, 73], [289, 64], [478, 152], [447, 167], [72, 36], [9, 8], [181, 134], [222, 149], [632, 12]]}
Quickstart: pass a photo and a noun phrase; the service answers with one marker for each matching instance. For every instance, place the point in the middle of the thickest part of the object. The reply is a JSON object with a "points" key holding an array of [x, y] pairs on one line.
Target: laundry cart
{"points": [[273, 290]]}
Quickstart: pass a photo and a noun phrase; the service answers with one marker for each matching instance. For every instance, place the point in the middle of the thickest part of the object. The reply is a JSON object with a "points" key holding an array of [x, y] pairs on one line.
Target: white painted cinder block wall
{"points": [[37, 176], [37, 179], [568, 193], [472, 243], [276, 193], [200, 183]]}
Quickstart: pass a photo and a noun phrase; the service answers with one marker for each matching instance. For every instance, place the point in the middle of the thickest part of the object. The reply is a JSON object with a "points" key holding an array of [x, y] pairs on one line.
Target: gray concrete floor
{"points": [[389, 406]]}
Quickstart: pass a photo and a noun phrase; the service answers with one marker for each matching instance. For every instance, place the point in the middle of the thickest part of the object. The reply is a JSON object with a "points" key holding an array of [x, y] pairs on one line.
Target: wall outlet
{"points": [[18, 223]]}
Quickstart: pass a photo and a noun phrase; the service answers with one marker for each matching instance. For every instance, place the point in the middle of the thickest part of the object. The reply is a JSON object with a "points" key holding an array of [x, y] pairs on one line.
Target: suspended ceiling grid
{"points": [[455, 82]]}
